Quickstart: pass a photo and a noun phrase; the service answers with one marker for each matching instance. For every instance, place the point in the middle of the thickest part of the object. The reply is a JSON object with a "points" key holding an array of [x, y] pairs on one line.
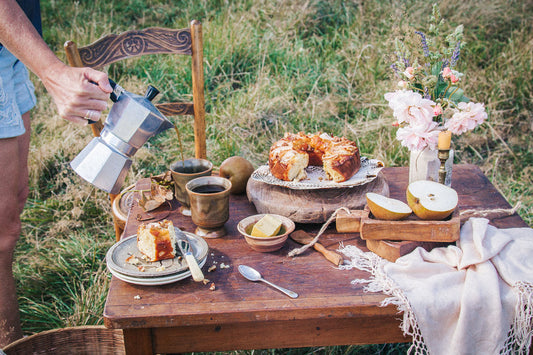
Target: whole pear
{"points": [[237, 170]]}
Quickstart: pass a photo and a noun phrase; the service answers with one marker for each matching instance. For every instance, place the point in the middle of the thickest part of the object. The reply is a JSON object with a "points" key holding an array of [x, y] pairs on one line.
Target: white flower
{"points": [[418, 137], [410, 107], [467, 117], [402, 84]]}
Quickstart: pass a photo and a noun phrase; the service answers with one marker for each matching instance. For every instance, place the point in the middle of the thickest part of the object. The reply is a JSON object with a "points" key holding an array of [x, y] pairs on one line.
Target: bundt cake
{"points": [[289, 156]]}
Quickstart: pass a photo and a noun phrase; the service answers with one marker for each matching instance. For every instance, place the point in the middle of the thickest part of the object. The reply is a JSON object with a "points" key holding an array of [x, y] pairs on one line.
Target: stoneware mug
{"points": [[184, 171], [209, 197]]}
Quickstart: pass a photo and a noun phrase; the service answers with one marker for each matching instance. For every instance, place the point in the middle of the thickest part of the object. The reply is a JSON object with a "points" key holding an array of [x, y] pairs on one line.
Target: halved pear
{"points": [[431, 200], [383, 207]]}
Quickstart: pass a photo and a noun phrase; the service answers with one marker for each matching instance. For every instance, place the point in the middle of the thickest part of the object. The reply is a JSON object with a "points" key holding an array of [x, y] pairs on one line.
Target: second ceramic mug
{"points": [[184, 171], [209, 198]]}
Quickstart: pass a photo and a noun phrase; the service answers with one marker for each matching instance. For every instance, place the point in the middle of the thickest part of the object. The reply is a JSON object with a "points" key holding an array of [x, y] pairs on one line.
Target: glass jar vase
{"points": [[424, 165]]}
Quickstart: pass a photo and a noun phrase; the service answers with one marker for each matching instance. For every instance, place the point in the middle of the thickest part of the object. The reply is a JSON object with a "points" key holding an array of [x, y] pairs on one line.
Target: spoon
{"points": [[254, 275]]}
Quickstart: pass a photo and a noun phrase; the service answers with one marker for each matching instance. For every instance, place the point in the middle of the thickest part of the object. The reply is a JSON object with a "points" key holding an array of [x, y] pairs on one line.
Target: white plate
{"points": [[116, 258], [316, 177], [155, 281]]}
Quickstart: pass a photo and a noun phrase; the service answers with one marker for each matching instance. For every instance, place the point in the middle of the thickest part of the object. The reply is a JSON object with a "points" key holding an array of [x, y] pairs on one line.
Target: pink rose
{"points": [[467, 116], [454, 79], [437, 110], [418, 137], [410, 107], [446, 72], [409, 72]]}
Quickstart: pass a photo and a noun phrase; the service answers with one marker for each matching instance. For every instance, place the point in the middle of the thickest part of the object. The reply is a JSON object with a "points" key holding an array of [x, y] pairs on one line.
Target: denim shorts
{"points": [[17, 94]]}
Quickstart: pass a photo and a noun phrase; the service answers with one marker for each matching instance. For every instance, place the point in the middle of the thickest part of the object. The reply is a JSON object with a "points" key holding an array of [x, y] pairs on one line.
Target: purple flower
{"points": [[426, 93], [455, 54], [424, 43], [394, 68], [401, 58]]}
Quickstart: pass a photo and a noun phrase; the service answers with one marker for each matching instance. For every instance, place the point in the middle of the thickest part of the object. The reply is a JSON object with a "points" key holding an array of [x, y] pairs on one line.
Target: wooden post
{"points": [[138, 341], [198, 89]]}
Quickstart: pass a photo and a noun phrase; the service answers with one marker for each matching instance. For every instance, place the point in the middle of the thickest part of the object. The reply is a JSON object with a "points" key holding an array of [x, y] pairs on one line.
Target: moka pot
{"points": [[132, 120]]}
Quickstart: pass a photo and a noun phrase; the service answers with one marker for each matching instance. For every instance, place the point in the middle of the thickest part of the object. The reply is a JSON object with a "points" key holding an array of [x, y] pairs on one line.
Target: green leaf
{"points": [[456, 94], [436, 68]]}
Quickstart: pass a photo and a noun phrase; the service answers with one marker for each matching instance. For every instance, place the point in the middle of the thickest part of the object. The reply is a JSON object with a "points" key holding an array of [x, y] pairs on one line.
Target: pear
{"points": [[431, 200], [237, 170], [383, 207]]}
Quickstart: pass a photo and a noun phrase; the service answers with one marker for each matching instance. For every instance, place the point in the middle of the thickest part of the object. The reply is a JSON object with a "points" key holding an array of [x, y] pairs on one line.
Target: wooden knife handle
{"points": [[328, 254], [196, 272]]}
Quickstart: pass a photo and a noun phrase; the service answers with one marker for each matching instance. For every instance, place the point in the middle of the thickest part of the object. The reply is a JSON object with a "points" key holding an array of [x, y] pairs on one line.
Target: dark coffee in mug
{"points": [[208, 189], [194, 169]]}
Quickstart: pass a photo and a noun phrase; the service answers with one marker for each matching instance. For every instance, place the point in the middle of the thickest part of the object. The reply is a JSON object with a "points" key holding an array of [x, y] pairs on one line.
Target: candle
{"points": [[445, 138]]}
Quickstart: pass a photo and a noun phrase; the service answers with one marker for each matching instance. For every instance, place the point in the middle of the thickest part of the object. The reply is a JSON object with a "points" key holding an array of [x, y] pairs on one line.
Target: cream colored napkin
{"points": [[473, 298]]}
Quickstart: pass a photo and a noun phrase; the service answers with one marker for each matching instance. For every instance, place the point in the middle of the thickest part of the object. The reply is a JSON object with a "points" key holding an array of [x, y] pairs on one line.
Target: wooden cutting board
{"points": [[311, 206], [411, 229], [378, 233], [392, 250]]}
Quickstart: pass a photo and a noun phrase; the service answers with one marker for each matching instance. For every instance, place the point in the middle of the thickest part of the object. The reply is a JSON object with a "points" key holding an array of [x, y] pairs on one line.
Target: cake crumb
{"points": [[205, 281], [136, 297], [212, 287], [132, 260], [212, 268], [224, 266]]}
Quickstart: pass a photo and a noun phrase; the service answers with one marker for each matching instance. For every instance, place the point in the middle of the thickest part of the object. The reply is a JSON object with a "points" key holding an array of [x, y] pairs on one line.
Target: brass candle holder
{"points": [[443, 155]]}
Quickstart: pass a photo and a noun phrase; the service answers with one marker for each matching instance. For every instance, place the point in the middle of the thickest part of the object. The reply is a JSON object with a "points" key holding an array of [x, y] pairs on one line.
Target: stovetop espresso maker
{"points": [[132, 120]]}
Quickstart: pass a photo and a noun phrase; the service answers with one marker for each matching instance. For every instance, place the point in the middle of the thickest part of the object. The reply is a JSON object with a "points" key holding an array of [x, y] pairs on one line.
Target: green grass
{"points": [[270, 67]]}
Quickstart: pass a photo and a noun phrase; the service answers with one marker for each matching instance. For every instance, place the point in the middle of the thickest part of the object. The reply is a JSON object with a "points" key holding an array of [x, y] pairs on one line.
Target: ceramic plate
{"points": [[316, 177], [118, 253], [155, 281]]}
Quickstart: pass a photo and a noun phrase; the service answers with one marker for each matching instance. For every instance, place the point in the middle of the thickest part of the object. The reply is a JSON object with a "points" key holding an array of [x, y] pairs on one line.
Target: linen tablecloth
{"points": [[475, 297]]}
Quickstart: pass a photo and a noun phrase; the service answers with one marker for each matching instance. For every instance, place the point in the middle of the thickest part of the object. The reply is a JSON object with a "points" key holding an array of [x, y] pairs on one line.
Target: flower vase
{"points": [[424, 165]]}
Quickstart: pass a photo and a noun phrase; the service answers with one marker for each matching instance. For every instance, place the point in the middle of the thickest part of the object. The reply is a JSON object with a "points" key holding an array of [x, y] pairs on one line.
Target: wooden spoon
{"points": [[302, 237]]}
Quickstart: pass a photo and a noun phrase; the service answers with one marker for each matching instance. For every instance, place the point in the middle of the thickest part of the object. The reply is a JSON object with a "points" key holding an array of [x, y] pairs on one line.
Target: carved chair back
{"points": [[115, 47]]}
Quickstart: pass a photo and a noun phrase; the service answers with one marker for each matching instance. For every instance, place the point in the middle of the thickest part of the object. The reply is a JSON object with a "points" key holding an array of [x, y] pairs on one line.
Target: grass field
{"points": [[270, 67]]}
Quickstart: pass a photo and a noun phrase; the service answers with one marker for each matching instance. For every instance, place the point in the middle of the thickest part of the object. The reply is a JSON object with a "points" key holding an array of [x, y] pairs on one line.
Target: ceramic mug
{"points": [[184, 171], [209, 197]]}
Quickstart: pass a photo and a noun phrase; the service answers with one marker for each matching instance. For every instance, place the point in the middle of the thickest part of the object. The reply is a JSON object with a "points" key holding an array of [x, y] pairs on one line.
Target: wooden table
{"points": [[187, 316]]}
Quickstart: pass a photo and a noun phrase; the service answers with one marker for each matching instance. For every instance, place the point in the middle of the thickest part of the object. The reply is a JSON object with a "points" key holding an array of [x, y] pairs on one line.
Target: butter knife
{"points": [[183, 244]]}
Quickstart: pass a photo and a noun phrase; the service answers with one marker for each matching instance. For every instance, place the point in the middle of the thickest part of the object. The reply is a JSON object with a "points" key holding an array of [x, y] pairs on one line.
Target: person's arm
{"points": [[73, 89]]}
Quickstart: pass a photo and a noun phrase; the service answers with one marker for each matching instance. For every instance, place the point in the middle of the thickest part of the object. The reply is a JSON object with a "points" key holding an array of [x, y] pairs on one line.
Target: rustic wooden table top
{"points": [[327, 306]]}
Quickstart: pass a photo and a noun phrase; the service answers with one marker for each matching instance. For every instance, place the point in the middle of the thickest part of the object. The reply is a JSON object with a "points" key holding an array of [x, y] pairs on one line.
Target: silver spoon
{"points": [[254, 275]]}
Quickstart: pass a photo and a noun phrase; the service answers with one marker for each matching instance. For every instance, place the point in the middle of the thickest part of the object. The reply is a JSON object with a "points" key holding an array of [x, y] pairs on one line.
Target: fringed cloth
{"points": [[472, 298]]}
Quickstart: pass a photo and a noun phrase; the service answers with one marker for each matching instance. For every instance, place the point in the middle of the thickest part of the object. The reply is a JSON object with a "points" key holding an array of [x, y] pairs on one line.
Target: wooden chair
{"points": [[74, 340], [115, 47]]}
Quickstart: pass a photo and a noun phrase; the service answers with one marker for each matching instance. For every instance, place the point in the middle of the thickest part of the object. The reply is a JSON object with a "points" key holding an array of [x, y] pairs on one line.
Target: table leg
{"points": [[138, 341]]}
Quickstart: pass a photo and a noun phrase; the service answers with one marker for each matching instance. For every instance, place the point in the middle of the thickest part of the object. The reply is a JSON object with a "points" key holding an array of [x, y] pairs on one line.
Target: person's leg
{"points": [[14, 191], [9, 233], [16, 96]]}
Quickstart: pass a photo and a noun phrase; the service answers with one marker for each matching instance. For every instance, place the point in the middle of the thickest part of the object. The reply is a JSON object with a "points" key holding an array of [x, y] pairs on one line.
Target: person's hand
{"points": [[80, 94]]}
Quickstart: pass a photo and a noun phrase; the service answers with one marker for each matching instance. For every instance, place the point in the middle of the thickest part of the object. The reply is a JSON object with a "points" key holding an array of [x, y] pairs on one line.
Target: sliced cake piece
{"points": [[157, 240]]}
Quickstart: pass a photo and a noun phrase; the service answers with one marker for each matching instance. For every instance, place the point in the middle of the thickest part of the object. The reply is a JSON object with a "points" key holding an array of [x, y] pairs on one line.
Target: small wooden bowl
{"points": [[262, 244]]}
